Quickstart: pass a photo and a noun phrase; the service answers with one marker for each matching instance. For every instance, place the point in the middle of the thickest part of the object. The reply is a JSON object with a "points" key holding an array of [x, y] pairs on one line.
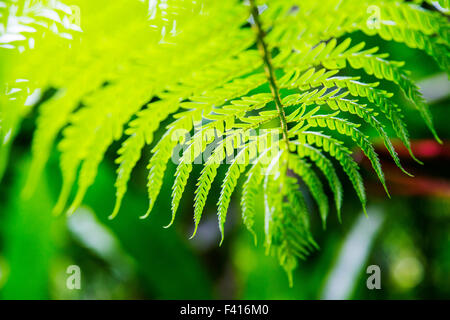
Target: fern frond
{"points": [[350, 129], [314, 78], [336, 149], [229, 184], [333, 56], [181, 177], [250, 190], [383, 69], [381, 99], [21, 20], [273, 197], [204, 185], [327, 168], [294, 239], [368, 116], [402, 22], [103, 123], [220, 73], [140, 132], [303, 169], [54, 115]]}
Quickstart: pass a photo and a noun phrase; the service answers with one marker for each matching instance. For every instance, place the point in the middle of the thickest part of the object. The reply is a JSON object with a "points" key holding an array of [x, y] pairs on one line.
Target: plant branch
{"points": [[269, 69]]}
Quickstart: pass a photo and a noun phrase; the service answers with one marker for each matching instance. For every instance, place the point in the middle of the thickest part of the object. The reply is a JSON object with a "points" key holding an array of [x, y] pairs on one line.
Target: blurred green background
{"points": [[408, 236]]}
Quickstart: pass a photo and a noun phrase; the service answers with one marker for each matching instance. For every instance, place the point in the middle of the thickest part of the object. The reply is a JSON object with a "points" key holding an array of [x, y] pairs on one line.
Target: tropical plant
{"points": [[233, 73]]}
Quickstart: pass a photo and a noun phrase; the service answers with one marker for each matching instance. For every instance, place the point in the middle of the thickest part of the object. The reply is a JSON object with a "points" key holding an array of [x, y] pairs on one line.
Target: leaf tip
{"points": [[116, 208], [169, 225], [195, 232], [147, 214]]}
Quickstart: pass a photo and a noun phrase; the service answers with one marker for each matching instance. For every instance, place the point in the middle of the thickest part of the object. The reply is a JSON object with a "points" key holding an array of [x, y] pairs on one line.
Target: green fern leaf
{"points": [[328, 170], [303, 169], [260, 69]]}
